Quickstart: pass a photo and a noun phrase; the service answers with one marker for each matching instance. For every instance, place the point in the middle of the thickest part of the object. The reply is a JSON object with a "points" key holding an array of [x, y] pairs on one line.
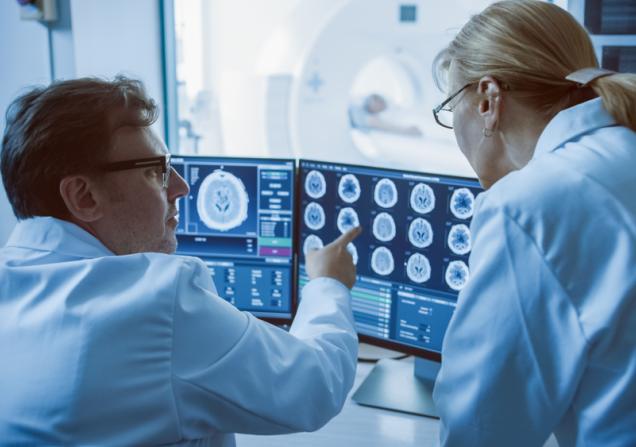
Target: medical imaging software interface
{"points": [[411, 258], [238, 218]]}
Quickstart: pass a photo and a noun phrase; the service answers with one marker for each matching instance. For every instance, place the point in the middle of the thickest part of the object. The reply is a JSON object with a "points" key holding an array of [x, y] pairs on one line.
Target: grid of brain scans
{"points": [[238, 218], [412, 257]]}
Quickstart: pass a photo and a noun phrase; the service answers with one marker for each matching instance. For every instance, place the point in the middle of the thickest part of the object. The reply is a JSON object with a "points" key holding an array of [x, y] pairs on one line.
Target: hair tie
{"points": [[584, 76]]}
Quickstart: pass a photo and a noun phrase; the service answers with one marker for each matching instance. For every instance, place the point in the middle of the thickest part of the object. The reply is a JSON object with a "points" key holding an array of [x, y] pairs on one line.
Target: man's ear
{"points": [[490, 102], [79, 195]]}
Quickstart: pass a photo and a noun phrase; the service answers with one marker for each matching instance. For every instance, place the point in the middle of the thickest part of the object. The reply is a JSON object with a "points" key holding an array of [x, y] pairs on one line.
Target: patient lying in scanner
{"points": [[374, 113]]}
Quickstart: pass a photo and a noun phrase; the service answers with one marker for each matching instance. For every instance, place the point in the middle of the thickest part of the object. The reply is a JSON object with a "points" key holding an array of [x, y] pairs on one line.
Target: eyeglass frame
{"points": [[440, 107], [161, 160]]}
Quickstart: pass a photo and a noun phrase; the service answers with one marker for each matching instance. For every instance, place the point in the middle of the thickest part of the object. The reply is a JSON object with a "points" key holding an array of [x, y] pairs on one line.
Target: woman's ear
{"points": [[79, 195], [490, 103]]}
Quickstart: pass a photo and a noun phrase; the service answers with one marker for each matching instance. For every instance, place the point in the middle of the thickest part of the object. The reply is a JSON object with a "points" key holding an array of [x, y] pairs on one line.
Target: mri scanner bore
{"points": [[416, 242]]}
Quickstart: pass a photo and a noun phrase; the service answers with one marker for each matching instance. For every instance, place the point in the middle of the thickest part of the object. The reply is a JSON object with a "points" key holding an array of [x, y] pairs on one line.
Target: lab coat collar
{"points": [[572, 123], [56, 235]]}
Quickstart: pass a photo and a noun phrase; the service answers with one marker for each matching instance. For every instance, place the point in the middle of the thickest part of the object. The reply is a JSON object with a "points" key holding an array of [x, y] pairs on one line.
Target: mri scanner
{"points": [[322, 57]]}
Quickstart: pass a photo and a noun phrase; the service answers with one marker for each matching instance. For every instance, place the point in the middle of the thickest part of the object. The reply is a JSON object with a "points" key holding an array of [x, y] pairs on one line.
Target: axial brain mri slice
{"points": [[222, 202], [315, 185], [418, 268], [459, 239], [384, 227], [420, 233], [422, 198], [347, 219], [385, 193], [349, 188], [382, 261], [312, 242], [456, 275], [314, 216], [353, 251], [462, 202]]}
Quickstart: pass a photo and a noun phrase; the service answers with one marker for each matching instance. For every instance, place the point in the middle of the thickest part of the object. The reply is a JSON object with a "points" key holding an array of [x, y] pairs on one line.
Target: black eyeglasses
{"points": [[443, 113], [162, 161]]}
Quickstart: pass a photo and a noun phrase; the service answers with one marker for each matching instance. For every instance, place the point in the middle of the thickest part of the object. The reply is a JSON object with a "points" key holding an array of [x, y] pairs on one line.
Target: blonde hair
{"points": [[530, 47]]}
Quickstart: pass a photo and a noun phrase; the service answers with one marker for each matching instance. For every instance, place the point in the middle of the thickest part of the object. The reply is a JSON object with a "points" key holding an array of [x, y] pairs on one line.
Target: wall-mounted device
{"points": [[44, 10]]}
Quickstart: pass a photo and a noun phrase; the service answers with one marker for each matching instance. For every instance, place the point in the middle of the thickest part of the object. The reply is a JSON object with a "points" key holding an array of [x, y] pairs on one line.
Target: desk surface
{"points": [[361, 426]]}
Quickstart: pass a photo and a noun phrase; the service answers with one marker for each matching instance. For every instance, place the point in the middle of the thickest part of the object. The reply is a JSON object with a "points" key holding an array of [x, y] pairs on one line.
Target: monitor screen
{"points": [[412, 257], [239, 219]]}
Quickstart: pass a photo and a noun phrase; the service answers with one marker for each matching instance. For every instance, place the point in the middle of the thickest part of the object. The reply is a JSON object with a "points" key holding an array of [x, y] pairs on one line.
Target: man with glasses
{"points": [[106, 337]]}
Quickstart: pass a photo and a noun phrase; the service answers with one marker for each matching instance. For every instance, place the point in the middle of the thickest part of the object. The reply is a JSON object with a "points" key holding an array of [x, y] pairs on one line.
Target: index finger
{"points": [[349, 236]]}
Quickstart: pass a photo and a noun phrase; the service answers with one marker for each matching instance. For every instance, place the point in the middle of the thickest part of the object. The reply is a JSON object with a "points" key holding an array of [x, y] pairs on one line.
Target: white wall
{"points": [[119, 36], [24, 55]]}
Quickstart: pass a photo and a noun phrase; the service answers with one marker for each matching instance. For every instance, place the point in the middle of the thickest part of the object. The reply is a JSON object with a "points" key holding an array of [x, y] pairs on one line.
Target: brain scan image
{"points": [[422, 198], [382, 261], [384, 227], [349, 188], [420, 233], [347, 219], [462, 202], [312, 242], [418, 269], [459, 239], [456, 275], [314, 216], [222, 201], [315, 185], [385, 193], [353, 251]]}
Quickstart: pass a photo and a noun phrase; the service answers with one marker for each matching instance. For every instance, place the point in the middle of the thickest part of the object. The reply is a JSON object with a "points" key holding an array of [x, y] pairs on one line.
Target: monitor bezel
{"points": [[294, 269], [393, 345]]}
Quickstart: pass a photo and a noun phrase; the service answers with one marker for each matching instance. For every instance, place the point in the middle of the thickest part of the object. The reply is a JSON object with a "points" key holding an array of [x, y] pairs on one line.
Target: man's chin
{"points": [[168, 245], [173, 243]]}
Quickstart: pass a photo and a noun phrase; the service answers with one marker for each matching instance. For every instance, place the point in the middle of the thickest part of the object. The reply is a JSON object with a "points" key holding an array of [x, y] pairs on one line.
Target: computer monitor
{"points": [[239, 219], [412, 256]]}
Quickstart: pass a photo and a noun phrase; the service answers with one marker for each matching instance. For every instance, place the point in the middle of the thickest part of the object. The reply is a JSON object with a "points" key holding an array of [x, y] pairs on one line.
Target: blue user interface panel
{"points": [[412, 257], [238, 218]]}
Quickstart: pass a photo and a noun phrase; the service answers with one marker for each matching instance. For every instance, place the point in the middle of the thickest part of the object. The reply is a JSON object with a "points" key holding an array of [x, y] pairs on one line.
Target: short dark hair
{"points": [[64, 129]]}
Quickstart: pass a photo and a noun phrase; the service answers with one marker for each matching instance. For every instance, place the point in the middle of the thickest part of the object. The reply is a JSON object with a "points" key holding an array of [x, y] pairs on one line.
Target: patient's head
{"points": [[375, 103]]}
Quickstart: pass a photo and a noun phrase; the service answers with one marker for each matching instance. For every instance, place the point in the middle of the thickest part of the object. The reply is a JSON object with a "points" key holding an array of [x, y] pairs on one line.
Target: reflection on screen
{"points": [[238, 218], [412, 257]]}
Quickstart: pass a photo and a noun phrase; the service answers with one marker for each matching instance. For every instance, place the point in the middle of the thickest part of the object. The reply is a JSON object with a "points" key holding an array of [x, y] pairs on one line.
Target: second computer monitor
{"points": [[412, 257], [238, 218]]}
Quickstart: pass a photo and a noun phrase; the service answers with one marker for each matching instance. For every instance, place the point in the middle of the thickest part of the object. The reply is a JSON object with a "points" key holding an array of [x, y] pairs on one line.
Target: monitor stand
{"points": [[400, 386]]}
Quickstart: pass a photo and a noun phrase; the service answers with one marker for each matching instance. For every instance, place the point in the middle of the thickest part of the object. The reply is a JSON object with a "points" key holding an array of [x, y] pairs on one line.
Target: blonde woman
{"points": [[544, 335]]}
